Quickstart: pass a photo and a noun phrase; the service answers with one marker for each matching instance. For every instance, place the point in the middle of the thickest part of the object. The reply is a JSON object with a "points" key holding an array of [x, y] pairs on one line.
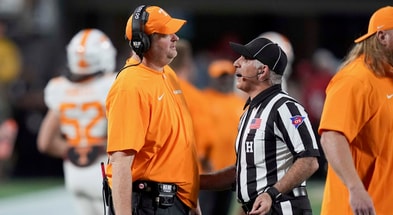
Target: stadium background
{"points": [[42, 28]]}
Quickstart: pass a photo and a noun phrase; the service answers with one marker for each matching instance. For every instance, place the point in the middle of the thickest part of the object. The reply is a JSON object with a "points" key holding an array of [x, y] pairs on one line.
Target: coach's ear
{"points": [[383, 37]]}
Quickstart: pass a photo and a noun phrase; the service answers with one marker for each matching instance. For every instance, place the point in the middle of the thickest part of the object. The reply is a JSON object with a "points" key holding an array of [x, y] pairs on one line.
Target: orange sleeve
{"points": [[346, 106], [126, 134]]}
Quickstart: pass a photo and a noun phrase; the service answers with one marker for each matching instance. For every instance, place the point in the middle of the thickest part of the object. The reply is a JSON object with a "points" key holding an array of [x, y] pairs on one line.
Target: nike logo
{"points": [[389, 96], [160, 97]]}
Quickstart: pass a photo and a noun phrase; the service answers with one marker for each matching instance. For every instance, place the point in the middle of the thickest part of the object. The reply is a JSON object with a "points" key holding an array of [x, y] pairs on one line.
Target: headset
{"points": [[140, 41]]}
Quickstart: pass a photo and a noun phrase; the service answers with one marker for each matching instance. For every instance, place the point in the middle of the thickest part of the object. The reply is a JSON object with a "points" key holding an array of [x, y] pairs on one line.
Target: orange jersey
{"points": [[226, 110], [201, 117], [360, 106], [147, 113]]}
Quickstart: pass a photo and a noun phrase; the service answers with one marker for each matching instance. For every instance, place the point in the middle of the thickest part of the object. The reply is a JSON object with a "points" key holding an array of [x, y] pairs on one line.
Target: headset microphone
{"points": [[242, 76]]}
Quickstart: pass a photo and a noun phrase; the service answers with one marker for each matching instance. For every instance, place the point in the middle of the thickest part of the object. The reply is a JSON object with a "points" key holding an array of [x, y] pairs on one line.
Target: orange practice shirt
{"points": [[201, 117], [359, 105], [147, 113], [226, 110]]}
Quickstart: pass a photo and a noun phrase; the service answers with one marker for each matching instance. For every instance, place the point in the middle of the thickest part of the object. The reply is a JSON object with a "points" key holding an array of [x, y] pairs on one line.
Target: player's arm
{"points": [[50, 140]]}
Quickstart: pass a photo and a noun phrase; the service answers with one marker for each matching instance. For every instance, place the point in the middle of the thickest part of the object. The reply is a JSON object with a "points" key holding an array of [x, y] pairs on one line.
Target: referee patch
{"points": [[255, 123], [297, 120]]}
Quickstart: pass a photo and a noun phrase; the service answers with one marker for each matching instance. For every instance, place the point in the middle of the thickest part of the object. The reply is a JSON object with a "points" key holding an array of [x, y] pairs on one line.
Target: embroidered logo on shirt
{"points": [[160, 97], [297, 120], [389, 96], [177, 91], [255, 123]]}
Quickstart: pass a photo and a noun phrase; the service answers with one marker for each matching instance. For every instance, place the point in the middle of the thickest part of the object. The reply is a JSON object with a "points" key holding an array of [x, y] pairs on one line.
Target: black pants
{"points": [[143, 204], [216, 202]]}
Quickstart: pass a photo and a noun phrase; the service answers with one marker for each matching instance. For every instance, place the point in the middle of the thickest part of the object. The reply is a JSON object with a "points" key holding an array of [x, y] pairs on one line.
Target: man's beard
{"points": [[389, 56]]}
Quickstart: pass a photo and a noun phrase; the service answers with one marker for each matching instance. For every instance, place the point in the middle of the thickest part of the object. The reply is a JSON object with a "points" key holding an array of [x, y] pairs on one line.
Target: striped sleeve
{"points": [[296, 130]]}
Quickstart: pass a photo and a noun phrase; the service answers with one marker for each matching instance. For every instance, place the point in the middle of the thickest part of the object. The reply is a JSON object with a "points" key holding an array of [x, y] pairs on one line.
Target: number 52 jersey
{"points": [[81, 108]]}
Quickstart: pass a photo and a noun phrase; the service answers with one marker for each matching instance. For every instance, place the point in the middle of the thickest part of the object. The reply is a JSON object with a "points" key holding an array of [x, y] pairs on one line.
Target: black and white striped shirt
{"points": [[273, 132]]}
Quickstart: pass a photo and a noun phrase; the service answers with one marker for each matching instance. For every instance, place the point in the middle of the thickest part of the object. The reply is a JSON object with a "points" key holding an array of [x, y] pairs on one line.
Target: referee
{"points": [[276, 148]]}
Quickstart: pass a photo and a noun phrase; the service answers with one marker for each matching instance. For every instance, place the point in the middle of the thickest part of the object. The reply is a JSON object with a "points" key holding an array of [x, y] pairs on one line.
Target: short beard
{"points": [[389, 56]]}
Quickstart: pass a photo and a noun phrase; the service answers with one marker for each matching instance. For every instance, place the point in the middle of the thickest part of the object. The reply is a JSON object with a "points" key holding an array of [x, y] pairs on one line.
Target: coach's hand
{"points": [[360, 202]]}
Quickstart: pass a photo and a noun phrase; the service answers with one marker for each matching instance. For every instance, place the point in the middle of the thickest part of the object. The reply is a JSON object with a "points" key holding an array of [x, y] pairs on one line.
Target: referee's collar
{"points": [[273, 90]]}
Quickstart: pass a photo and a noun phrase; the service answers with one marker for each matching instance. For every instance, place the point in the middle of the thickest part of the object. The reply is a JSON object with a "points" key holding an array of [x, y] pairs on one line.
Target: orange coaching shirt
{"points": [[360, 105], [226, 109], [147, 113], [202, 119]]}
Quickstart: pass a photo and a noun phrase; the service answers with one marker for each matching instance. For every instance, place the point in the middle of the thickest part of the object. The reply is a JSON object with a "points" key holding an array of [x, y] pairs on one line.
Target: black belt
{"points": [[296, 192], [163, 194], [153, 187]]}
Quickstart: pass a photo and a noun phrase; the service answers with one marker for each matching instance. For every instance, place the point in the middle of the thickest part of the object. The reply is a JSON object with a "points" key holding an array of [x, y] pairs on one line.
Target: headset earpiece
{"points": [[140, 41]]}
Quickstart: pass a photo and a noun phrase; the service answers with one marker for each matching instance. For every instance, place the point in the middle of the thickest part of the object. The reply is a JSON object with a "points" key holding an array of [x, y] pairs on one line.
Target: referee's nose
{"points": [[237, 62]]}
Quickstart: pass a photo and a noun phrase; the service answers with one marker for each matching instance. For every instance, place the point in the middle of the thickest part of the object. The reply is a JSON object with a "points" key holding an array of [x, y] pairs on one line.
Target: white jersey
{"points": [[81, 107]]}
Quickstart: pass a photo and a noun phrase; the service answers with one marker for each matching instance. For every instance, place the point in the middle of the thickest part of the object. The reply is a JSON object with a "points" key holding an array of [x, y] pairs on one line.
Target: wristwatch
{"points": [[273, 193]]}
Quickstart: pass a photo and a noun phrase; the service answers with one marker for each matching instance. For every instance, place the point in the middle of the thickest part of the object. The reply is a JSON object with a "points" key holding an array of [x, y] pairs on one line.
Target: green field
{"points": [[315, 192], [15, 187]]}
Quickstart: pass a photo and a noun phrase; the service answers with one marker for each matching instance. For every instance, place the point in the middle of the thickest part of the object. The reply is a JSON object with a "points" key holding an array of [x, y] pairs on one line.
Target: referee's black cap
{"points": [[265, 51]]}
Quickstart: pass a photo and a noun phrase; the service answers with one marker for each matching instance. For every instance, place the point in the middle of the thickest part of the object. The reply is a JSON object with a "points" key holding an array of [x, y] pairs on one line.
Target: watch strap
{"points": [[273, 193]]}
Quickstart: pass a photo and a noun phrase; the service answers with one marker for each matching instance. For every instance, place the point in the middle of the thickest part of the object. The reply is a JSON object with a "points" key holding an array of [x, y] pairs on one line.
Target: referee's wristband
{"points": [[273, 193]]}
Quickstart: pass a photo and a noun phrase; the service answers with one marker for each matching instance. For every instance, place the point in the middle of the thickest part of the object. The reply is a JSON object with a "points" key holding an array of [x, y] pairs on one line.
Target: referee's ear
{"points": [[263, 73], [263, 69]]}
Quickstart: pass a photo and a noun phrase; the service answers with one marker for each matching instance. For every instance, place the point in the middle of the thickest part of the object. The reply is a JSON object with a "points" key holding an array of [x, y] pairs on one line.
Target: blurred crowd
{"points": [[30, 54]]}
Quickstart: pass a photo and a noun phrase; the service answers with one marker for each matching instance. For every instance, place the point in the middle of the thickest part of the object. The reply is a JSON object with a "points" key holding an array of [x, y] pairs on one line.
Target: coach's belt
{"points": [[153, 187], [163, 194]]}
